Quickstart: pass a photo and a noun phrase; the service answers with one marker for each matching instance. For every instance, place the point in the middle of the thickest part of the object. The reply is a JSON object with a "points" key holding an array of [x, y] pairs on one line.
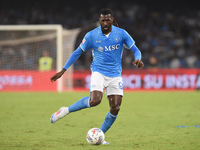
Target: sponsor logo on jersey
{"points": [[112, 47], [109, 48]]}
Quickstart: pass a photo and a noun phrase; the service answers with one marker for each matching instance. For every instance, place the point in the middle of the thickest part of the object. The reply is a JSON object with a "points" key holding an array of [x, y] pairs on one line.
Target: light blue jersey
{"points": [[107, 50]]}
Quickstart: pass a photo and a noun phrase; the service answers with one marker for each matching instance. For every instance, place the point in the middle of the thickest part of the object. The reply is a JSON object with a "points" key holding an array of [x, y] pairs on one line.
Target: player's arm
{"points": [[75, 55], [85, 45], [130, 44], [137, 62]]}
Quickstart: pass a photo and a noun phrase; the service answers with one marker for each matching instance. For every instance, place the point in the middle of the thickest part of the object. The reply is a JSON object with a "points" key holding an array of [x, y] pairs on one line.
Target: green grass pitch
{"points": [[147, 121]]}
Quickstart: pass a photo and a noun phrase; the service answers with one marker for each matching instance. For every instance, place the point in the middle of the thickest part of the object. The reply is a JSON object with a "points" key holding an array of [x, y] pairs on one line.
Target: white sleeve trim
{"points": [[82, 48], [131, 45]]}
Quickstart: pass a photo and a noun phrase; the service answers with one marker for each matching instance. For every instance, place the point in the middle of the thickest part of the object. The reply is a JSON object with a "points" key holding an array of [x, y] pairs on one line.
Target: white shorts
{"points": [[112, 85]]}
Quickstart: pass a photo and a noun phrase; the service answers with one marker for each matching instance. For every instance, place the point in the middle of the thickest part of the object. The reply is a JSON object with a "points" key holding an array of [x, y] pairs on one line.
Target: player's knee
{"points": [[95, 101], [95, 98], [114, 110]]}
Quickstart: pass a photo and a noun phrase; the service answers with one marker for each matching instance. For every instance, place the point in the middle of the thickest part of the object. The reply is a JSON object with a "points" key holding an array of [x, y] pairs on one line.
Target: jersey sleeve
{"points": [[128, 40], [75, 55], [86, 42]]}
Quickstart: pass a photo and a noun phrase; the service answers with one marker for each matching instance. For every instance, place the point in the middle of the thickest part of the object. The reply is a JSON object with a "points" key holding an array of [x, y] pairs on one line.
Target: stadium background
{"points": [[167, 32], [148, 120]]}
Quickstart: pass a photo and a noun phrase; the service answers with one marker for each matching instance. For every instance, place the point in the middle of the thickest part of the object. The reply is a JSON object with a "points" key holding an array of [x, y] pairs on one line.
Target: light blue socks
{"points": [[85, 103], [82, 103], [109, 120]]}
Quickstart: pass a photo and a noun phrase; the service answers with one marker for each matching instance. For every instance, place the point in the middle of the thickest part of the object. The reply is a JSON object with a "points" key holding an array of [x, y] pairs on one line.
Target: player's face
{"points": [[106, 22]]}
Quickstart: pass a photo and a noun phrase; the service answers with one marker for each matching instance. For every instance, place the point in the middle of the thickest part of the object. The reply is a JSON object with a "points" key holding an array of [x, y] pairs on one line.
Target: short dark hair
{"points": [[106, 11]]}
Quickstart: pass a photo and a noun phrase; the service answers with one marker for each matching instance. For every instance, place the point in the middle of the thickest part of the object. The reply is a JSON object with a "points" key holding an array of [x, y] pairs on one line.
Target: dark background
{"points": [[57, 11], [166, 32]]}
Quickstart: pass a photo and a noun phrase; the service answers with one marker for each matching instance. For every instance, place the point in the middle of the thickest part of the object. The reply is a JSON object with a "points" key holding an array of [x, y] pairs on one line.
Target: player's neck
{"points": [[106, 33]]}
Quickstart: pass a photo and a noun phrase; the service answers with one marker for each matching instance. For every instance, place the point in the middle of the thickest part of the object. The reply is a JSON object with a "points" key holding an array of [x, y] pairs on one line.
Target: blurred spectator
{"points": [[191, 60], [152, 62], [175, 63], [45, 62]]}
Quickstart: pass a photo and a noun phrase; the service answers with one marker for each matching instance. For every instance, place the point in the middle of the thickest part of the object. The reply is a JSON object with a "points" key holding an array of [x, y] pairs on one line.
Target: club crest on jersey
{"points": [[116, 39], [100, 49], [83, 41]]}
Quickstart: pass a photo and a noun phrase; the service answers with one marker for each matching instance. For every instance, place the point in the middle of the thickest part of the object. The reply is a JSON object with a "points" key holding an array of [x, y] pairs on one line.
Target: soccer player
{"points": [[107, 42]]}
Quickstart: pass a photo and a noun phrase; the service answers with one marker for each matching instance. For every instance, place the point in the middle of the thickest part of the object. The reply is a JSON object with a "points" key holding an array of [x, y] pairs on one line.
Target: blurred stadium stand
{"points": [[167, 32]]}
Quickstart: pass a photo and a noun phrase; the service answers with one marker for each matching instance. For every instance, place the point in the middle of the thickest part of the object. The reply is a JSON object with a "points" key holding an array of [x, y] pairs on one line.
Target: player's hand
{"points": [[57, 75], [138, 63]]}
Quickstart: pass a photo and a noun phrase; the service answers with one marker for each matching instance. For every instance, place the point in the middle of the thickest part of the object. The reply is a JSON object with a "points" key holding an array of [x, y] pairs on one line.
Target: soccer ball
{"points": [[95, 136]]}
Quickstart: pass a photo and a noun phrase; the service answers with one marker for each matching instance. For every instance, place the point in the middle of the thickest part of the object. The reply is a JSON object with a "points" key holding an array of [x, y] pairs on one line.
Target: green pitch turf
{"points": [[147, 121]]}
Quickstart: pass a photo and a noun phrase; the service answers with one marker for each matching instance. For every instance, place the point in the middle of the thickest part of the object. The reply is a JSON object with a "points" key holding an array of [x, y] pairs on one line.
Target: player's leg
{"points": [[115, 103], [114, 93], [85, 102], [96, 94], [63, 111], [95, 98]]}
